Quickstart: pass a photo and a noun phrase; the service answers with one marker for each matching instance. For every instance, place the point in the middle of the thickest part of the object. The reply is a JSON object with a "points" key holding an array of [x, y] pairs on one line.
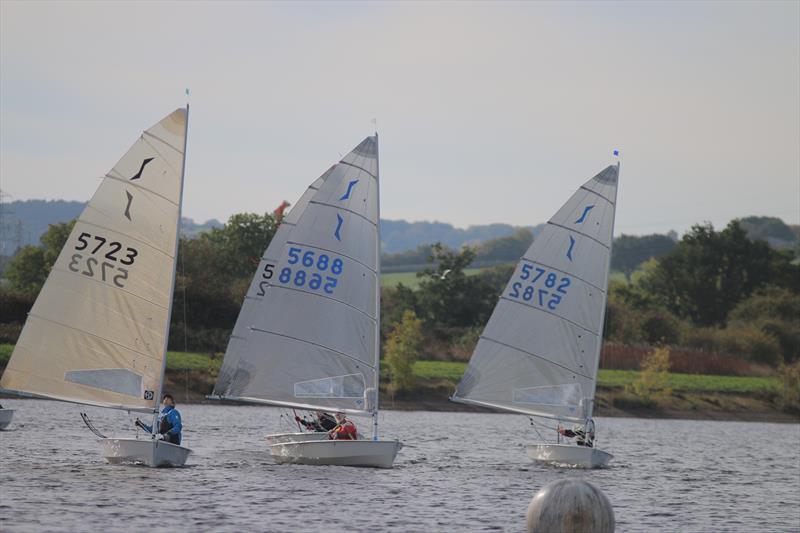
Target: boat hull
{"points": [[5, 417], [368, 453], [569, 455], [153, 453]]}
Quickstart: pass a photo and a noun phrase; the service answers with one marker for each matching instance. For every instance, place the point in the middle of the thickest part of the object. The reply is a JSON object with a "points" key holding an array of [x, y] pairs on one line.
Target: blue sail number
{"points": [[549, 292]]}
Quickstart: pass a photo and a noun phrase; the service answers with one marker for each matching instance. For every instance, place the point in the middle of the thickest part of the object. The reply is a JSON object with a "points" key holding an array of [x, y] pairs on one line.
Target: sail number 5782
{"points": [[539, 286]]}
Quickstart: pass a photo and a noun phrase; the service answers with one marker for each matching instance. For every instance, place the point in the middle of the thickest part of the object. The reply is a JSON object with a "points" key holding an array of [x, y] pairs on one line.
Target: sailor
{"points": [[169, 422], [582, 433], [344, 430], [320, 422]]}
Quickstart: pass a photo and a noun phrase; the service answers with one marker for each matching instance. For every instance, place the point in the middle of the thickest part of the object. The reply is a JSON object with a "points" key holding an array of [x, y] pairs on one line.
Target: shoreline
{"points": [[749, 409]]}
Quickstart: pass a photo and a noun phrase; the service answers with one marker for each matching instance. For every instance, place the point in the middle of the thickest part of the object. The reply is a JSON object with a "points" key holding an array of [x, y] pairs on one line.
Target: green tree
{"points": [[238, 245], [709, 272], [402, 350], [449, 298], [29, 268], [631, 251], [775, 311]]}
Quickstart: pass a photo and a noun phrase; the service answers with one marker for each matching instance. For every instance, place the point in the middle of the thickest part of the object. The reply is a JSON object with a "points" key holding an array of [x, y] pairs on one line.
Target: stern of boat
{"points": [[149, 452]]}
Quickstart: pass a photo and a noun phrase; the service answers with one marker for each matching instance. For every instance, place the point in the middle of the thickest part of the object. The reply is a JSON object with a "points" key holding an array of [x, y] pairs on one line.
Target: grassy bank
{"points": [[619, 379]]}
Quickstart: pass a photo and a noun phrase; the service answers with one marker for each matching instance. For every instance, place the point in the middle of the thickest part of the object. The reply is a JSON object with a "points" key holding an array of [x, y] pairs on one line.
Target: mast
{"points": [[377, 294], [605, 302], [174, 273]]}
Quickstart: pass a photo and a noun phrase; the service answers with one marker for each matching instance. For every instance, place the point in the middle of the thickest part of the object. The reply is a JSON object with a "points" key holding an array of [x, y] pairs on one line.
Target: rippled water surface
{"points": [[457, 472]]}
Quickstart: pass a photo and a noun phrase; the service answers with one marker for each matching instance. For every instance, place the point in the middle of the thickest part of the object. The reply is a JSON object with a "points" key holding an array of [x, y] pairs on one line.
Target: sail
{"points": [[307, 334], [96, 333], [540, 350]]}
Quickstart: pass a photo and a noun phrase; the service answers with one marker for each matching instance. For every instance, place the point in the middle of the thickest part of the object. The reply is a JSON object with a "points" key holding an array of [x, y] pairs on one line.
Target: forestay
{"points": [[96, 333], [540, 350], [307, 332]]}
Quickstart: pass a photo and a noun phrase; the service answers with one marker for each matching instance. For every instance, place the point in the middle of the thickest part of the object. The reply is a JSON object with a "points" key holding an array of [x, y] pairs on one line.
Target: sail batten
{"points": [[539, 351], [359, 168], [539, 357], [308, 328], [597, 194], [354, 308], [579, 233], [307, 341], [96, 334]]}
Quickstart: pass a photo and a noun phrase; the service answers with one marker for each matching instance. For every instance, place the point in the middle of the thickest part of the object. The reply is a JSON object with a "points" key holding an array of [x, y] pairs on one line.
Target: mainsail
{"points": [[97, 332], [540, 350], [307, 333]]}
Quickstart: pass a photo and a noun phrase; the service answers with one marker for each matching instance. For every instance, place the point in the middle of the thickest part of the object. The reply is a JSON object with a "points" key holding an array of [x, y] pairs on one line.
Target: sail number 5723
{"points": [[101, 258], [539, 286]]}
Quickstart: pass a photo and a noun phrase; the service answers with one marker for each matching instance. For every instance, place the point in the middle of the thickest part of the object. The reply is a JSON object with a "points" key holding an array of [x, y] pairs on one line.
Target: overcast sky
{"points": [[490, 112]]}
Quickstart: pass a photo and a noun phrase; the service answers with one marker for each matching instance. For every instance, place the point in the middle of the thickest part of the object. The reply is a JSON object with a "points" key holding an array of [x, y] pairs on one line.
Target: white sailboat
{"points": [[540, 350], [97, 333], [307, 336]]}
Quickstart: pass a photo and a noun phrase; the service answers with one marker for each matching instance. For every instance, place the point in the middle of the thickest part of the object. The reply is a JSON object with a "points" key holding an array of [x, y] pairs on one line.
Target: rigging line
{"points": [[182, 254]]}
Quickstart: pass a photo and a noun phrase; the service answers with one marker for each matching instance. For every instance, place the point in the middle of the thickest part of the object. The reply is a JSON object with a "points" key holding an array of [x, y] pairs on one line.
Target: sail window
{"points": [[347, 386], [119, 380]]}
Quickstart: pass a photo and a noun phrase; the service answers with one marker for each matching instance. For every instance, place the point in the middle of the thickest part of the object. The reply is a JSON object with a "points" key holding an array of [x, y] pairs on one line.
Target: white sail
{"points": [[97, 331], [539, 352], [307, 334]]}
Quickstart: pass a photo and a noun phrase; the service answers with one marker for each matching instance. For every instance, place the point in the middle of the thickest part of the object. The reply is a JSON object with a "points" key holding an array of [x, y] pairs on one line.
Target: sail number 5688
{"points": [[308, 269]]}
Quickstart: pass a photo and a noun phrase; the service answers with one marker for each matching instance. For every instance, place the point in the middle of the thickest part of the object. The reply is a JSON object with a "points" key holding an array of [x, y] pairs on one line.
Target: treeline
{"points": [[715, 291]]}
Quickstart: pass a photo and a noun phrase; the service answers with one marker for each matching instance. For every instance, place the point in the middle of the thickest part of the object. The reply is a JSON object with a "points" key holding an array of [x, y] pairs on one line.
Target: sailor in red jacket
{"points": [[344, 430]]}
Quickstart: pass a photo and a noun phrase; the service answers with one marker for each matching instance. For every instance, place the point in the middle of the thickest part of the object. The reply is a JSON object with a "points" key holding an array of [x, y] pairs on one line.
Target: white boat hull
{"points": [[569, 455], [148, 452], [370, 453], [5, 417]]}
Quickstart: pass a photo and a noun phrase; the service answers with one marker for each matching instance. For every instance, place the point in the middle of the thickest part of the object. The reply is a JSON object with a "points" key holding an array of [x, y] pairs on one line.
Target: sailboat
{"points": [[97, 333], [307, 336], [540, 350]]}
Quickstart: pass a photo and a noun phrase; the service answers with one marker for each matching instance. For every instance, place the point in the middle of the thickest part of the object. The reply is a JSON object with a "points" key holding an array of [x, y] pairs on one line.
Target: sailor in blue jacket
{"points": [[169, 422]]}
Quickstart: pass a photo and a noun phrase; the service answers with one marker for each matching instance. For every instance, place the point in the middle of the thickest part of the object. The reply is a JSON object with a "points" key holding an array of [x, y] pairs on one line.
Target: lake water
{"points": [[457, 472]]}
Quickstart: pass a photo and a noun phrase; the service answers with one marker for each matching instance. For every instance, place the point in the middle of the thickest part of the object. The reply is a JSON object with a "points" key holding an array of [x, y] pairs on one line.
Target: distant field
{"points": [[614, 379], [410, 279]]}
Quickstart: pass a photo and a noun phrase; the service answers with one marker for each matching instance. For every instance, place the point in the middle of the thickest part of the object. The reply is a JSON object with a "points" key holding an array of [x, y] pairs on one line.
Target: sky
{"points": [[487, 112]]}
